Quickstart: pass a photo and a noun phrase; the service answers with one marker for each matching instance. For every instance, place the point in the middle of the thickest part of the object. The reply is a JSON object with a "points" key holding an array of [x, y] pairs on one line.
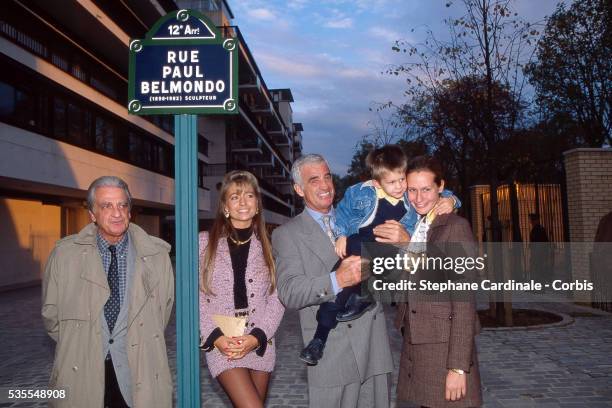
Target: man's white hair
{"points": [[296, 169]]}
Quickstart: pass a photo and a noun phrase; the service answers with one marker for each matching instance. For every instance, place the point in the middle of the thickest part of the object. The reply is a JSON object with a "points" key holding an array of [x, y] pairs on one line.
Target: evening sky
{"points": [[332, 53]]}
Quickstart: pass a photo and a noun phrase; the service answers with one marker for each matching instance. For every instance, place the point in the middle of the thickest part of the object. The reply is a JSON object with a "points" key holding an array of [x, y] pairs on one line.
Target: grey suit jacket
{"points": [[356, 350]]}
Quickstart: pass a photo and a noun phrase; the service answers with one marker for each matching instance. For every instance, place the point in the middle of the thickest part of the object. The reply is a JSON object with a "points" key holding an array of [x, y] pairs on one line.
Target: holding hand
{"points": [[349, 272], [341, 247], [445, 205], [244, 345], [391, 232], [456, 386], [225, 345]]}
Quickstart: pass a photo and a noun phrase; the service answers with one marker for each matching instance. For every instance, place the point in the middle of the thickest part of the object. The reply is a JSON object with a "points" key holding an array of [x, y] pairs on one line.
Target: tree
{"points": [[451, 120], [489, 44], [382, 130], [573, 71], [357, 169]]}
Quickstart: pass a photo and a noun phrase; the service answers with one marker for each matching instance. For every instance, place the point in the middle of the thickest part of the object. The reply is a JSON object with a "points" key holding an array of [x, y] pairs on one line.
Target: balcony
{"points": [[260, 160], [263, 134], [280, 137], [251, 86], [251, 145], [250, 79], [266, 109], [277, 172]]}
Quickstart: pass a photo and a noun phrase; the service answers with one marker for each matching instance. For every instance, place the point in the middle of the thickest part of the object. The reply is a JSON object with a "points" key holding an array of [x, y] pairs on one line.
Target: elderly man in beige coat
{"points": [[108, 293]]}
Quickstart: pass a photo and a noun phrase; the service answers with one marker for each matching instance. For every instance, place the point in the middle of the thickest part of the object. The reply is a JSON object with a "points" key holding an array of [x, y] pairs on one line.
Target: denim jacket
{"points": [[358, 209]]}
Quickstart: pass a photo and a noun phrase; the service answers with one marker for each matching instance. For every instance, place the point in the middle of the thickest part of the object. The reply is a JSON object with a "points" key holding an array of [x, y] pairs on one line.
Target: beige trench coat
{"points": [[75, 290]]}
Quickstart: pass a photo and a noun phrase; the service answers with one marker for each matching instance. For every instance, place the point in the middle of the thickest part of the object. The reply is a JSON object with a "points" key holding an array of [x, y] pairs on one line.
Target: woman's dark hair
{"points": [[426, 163]]}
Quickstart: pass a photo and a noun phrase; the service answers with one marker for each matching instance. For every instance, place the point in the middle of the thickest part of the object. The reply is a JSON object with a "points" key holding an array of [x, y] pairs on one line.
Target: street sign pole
{"points": [[185, 67], [186, 220]]}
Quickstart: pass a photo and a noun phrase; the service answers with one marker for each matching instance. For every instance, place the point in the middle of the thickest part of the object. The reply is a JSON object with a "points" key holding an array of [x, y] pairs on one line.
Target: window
{"points": [[75, 122], [79, 126], [165, 122], [203, 145], [7, 100], [78, 71], [25, 107], [19, 106], [135, 147], [59, 118], [86, 134], [147, 153], [105, 136], [28, 102], [201, 173], [101, 86], [59, 61], [160, 159]]}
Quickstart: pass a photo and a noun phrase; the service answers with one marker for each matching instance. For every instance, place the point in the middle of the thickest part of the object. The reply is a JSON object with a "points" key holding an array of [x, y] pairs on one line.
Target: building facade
{"points": [[64, 122]]}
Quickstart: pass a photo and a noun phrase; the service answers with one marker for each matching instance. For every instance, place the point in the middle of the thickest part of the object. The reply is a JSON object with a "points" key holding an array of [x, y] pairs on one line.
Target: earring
{"points": [[257, 211], [226, 213]]}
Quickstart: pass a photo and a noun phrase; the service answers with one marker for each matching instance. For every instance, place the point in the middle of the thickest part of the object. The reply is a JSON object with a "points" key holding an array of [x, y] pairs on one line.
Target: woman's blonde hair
{"points": [[223, 228]]}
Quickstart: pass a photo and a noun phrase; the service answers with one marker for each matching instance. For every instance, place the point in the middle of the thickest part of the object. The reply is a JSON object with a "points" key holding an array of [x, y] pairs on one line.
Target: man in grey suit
{"points": [[356, 368]]}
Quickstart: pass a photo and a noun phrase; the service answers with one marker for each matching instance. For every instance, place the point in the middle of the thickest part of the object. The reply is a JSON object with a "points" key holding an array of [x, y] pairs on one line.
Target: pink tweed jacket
{"points": [[265, 310]]}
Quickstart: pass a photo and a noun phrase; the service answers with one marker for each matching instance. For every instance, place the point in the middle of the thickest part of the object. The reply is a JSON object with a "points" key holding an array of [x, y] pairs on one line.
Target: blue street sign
{"points": [[183, 65]]}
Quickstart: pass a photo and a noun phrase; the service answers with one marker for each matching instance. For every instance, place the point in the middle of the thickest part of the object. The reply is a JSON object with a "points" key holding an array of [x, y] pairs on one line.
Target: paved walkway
{"points": [[568, 366]]}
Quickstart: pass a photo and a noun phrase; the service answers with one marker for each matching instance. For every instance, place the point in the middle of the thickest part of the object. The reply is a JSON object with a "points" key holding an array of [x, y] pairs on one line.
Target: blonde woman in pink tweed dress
{"points": [[238, 280]]}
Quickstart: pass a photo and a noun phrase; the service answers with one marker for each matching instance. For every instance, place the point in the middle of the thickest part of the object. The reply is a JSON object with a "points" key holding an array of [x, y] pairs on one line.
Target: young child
{"points": [[364, 207]]}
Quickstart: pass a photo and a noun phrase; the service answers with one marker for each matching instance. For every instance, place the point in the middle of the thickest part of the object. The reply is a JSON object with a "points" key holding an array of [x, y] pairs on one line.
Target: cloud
{"points": [[262, 14], [340, 23], [284, 65], [296, 4], [354, 73], [329, 57], [384, 33]]}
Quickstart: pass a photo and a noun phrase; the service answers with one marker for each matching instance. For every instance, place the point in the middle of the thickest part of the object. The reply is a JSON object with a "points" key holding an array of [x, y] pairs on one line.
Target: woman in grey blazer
{"points": [[438, 364]]}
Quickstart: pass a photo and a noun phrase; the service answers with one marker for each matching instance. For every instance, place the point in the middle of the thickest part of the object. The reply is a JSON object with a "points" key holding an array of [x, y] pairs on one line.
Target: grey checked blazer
{"points": [[356, 350]]}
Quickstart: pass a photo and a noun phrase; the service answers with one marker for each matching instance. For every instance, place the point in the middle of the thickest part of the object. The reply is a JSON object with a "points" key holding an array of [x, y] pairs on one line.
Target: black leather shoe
{"points": [[356, 306], [313, 352]]}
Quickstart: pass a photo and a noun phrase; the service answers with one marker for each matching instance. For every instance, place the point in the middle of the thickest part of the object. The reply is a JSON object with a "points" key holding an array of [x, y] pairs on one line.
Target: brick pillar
{"points": [[589, 197]]}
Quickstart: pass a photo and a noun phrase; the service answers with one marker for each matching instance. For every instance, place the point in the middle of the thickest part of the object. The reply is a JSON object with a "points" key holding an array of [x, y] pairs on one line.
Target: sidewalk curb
{"points": [[566, 321]]}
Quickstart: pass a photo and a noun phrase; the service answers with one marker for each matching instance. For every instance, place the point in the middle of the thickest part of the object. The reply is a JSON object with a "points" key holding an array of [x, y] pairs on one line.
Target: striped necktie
{"points": [[328, 229]]}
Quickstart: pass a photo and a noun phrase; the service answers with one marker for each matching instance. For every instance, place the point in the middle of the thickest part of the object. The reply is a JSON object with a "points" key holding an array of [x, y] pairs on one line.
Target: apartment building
{"points": [[64, 122]]}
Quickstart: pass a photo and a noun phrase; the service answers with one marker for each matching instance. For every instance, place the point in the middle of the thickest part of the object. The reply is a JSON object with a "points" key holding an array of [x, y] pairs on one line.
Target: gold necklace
{"points": [[238, 242]]}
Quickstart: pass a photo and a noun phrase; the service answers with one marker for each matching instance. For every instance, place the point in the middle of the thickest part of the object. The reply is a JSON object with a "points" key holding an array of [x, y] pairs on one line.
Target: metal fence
{"points": [[542, 199]]}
